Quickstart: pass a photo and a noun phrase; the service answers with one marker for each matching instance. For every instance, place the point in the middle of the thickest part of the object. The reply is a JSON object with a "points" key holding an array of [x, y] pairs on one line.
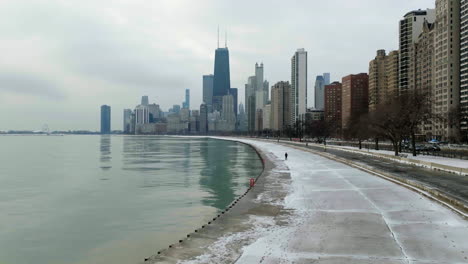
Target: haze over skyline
{"points": [[61, 61]]}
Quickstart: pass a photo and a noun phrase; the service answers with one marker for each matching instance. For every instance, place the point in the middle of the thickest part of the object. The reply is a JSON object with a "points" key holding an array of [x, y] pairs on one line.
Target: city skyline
{"points": [[67, 78]]}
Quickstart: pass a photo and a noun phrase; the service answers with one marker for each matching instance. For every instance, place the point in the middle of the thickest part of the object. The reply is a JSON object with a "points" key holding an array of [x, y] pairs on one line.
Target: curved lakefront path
{"points": [[334, 213]]}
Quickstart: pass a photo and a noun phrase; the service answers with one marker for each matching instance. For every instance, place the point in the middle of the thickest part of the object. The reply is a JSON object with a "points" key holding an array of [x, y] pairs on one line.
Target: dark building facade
{"points": [[105, 119], [222, 78], [355, 97], [332, 105], [234, 92], [208, 91], [203, 124]]}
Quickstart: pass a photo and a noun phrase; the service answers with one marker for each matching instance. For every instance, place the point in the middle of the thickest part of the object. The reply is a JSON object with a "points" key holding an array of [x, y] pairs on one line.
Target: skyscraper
{"points": [[234, 92], [105, 119], [298, 85], [250, 99], [227, 114], [208, 91], [266, 92], [319, 92], [259, 102], [410, 28], [186, 104], [326, 78], [221, 79], [127, 120], [144, 100]]}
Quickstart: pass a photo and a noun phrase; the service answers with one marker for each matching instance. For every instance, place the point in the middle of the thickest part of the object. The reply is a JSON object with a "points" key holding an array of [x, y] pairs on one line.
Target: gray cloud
{"points": [[82, 54], [30, 85]]}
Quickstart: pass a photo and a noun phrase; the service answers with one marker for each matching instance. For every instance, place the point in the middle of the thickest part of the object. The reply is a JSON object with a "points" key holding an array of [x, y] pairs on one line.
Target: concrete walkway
{"points": [[344, 215]]}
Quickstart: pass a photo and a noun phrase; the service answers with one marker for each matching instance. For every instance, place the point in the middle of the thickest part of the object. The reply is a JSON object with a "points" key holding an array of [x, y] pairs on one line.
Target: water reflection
{"points": [[105, 148], [219, 167], [216, 176]]}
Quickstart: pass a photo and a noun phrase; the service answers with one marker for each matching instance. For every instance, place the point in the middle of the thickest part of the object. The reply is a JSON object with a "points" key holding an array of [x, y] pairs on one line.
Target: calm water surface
{"points": [[102, 199]]}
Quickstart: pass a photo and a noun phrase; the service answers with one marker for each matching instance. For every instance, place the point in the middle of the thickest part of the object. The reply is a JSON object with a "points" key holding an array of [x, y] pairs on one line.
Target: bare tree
{"points": [[323, 129], [400, 117], [358, 129], [386, 120], [416, 111]]}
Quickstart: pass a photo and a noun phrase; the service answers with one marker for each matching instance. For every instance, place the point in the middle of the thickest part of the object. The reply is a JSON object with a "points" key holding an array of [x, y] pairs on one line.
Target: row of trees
{"points": [[397, 120]]}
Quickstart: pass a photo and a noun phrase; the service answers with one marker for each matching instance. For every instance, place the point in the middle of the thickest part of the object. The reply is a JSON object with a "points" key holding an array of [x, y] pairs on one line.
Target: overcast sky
{"points": [[61, 60]]}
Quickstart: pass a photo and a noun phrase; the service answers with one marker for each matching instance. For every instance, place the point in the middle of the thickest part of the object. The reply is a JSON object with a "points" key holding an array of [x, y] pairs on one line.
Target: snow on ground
{"points": [[344, 215], [223, 250], [434, 159]]}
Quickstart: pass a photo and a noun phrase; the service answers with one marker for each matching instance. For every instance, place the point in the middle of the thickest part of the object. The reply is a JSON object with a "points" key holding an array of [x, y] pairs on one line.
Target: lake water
{"points": [[112, 199]]}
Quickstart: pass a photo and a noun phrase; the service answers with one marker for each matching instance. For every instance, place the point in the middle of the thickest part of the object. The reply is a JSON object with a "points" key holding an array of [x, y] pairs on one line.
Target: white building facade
{"points": [[298, 85]]}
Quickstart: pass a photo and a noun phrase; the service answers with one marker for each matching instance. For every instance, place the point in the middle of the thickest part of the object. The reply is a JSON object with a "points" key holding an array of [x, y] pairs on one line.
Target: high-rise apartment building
{"points": [[383, 78], [410, 28], [319, 92], [280, 106], [464, 66], [424, 72], [392, 73], [208, 91], [105, 119], [333, 105], [447, 67], [298, 85], [355, 97]]}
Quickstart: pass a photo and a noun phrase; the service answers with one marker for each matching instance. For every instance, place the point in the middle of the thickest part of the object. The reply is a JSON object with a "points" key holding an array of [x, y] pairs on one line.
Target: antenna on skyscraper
{"points": [[218, 36], [225, 39]]}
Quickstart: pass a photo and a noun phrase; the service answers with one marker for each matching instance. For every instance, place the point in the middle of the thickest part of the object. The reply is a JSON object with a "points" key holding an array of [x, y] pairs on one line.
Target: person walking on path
{"points": [[286, 156]]}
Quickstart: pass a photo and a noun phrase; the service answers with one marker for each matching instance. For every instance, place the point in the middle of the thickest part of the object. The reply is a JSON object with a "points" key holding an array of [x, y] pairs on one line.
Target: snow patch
{"points": [[224, 249]]}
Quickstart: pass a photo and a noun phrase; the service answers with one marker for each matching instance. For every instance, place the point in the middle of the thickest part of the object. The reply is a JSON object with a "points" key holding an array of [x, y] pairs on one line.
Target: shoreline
{"points": [[236, 226]]}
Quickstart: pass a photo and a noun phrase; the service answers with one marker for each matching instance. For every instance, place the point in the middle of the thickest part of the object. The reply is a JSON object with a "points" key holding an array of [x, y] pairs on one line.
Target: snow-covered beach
{"points": [[333, 213]]}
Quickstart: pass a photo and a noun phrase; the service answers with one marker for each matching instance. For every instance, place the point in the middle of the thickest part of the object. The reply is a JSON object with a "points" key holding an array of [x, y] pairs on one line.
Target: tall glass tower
{"points": [[105, 119], [222, 78]]}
